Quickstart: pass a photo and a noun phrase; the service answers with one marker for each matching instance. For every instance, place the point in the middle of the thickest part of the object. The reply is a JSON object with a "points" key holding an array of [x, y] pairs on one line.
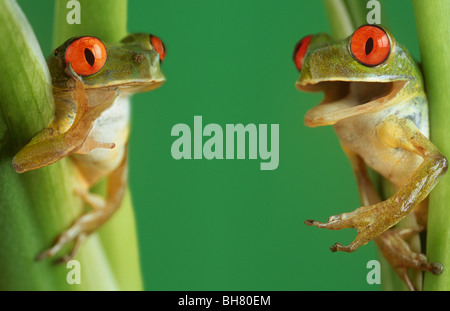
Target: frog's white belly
{"points": [[360, 136], [111, 127]]}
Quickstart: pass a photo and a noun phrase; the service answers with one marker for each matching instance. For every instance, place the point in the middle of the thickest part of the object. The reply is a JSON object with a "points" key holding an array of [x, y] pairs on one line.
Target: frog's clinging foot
{"points": [[77, 233], [65, 238], [396, 250]]}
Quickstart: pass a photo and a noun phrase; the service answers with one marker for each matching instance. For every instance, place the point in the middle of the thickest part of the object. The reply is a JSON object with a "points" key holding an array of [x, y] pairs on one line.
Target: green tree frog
{"points": [[375, 100], [91, 82]]}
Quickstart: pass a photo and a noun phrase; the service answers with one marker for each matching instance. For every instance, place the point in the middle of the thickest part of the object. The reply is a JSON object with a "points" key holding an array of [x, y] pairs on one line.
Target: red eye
{"points": [[86, 55], [159, 46], [370, 45], [300, 50]]}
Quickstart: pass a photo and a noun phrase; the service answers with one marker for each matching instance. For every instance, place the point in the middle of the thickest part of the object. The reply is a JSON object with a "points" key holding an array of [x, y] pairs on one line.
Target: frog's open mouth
{"points": [[138, 86], [344, 99]]}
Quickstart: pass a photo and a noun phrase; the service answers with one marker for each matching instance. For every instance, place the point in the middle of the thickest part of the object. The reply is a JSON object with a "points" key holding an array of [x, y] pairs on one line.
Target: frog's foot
{"points": [[65, 238], [80, 229], [396, 250], [364, 219]]}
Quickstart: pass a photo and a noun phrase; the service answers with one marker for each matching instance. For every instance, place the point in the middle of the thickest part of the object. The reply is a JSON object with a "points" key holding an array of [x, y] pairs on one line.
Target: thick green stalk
{"points": [[358, 11], [347, 15], [339, 17], [35, 206], [107, 20], [433, 29]]}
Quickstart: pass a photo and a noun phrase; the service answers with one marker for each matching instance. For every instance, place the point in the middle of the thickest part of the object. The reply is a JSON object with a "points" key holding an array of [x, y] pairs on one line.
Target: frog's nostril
{"points": [[138, 57], [300, 51]]}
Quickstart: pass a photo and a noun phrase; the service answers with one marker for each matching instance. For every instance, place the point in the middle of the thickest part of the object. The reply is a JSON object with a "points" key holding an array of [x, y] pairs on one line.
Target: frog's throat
{"points": [[345, 99]]}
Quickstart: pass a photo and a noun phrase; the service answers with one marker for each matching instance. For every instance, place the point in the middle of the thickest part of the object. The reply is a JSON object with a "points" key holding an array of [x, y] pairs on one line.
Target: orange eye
{"points": [[159, 46], [370, 45], [300, 50], [86, 55]]}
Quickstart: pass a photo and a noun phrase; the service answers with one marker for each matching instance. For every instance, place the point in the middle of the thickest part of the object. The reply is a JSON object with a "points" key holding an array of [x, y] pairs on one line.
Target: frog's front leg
{"points": [[370, 221], [392, 243], [102, 210], [50, 145]]}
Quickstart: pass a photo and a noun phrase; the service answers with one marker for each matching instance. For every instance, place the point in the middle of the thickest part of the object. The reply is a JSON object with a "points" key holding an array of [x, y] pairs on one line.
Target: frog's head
{"points": [[132, 65], [366, 72]]}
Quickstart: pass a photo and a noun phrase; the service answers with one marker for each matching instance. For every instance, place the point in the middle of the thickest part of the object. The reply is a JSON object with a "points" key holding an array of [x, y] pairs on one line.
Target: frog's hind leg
{"points": [[102, 210], [392, 244]]}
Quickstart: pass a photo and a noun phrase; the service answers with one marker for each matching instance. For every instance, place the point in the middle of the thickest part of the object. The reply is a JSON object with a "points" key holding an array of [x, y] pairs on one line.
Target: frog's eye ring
{"points": [[86, 55], [159, 46], [300, 51], [370, 45]]}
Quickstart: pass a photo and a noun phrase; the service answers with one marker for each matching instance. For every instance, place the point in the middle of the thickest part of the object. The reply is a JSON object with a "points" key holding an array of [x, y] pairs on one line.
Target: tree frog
{"points": [[375, 100], [91, 82]]}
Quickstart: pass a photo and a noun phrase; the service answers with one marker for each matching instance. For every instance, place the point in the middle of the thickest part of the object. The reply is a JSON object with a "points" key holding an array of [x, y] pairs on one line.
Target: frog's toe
{"points": [[327, 225], [335, 247], [310, 222], [436, 268], [334, 223], [347, 248]]}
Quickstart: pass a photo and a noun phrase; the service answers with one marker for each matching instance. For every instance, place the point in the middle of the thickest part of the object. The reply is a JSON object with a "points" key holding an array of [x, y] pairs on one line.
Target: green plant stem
{"points": [[107, 20], [36, 206], [433, 29], [347, 15], [339, 17], [357, 11]]}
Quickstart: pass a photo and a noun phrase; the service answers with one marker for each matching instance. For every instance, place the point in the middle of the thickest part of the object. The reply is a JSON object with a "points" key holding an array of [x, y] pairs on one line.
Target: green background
{"points": [[225, 224]]}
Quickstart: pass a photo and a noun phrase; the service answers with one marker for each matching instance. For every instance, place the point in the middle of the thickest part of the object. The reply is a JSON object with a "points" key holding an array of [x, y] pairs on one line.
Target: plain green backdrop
{"points": [[225, 224]]}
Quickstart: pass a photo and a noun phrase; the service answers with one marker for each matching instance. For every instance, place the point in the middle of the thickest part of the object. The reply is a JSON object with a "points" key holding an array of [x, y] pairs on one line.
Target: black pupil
{"points": [[369, 46], [90, 58]]}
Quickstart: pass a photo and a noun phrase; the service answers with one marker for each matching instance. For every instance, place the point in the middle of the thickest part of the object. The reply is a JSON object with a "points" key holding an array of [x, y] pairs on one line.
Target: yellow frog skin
{"points": [[374, 99], [92, 81]]}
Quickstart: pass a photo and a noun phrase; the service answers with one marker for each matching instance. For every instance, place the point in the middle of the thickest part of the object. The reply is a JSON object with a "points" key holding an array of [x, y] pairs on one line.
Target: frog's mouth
{"points": [[138, 86], [345, 99]]}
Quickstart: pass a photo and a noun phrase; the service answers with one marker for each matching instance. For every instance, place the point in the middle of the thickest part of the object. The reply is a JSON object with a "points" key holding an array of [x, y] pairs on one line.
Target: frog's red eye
{"points": [[300, 50], [86, 55], [159, 46], [370, 45]]}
